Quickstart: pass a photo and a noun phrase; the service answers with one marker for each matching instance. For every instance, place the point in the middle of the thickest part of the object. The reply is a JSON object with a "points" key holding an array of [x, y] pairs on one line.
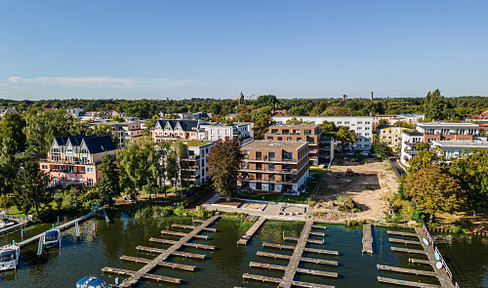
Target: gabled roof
{"points": [[94, 144], [186, 125]]}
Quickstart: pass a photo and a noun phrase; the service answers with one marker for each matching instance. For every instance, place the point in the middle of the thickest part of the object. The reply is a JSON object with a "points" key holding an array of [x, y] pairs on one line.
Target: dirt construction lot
{"points": [[370, 185]]}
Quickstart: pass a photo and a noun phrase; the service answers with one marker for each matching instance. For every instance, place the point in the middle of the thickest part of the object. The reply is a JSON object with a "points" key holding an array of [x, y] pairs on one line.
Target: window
{"points": [[270, 138], [90, 170], [44, 167], [296, 131], [288, 139], [259, 176], [271, 186], [299, 139], [366, 122], [367, 128], [274, 131], [359, 122], [307, 132], [259, 166], [285, 132], [280, 138], [271, 167], [258, 186], [287, 155], [259, 155], [271, 156]]}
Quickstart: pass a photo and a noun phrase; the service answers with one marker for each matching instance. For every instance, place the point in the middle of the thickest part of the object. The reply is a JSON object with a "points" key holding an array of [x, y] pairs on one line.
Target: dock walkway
{"points": [[60, 227], [141, 273], [13, 227], [250, 233], [367, 239]]}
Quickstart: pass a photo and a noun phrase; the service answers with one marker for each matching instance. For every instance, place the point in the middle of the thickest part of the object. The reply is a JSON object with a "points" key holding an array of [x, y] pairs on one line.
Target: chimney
{"points": [[371, 95]]}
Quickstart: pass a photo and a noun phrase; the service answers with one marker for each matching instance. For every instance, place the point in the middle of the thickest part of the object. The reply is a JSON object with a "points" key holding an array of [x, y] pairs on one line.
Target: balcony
{"points": [[270, 160]]}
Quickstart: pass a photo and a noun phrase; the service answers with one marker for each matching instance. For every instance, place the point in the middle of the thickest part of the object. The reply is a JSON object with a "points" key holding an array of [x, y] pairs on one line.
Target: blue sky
{"points": [[292, 49]]}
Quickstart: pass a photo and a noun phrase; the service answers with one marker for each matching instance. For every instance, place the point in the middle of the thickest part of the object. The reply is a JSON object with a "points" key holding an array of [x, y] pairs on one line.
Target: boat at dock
{"points": [[52, 238], [91, 282], [9, 257]]}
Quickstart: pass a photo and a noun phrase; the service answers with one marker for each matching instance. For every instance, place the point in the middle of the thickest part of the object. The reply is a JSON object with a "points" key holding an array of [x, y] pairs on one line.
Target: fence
{"points": [[28, 218], [441, 259]]}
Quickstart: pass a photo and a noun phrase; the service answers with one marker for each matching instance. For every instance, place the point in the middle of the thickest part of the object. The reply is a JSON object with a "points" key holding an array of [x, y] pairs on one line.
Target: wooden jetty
{"points": [[250, 233], [400, 233], [319, 227], [299, 270], [405, 270], [402, 241], [418, 261], [310, 241], [176, 253], [144, 271], [13, 227], [197, 221], [367, 239], [442, 276], [181, 234], [309, 250], [406, 283], [303, 259], [131, 273], [172, 242], [406, 250], [162, 264], [60, 227], [278, 280], [319, 234], [191, 227]]}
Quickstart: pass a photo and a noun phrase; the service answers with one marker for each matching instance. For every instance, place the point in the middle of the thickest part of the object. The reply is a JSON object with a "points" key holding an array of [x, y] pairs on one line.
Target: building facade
{"points": [[75, 160], [274, 166], [454, 148], [168, 130], [362, 126], [391, 135], [320, 149], [218, 131], [195, 169]]}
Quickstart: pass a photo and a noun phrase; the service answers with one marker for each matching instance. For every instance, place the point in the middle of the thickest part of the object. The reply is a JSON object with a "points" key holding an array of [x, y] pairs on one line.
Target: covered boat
{"points": [[91, 282], [9, 257], [52, 238]]}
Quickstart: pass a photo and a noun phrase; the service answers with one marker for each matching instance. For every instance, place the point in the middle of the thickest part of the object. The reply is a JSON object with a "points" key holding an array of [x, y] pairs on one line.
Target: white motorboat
{"points": [[9, 257], [52, 238]]}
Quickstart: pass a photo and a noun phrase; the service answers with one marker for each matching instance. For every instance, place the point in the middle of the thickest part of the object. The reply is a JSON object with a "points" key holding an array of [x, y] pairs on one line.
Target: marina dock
{"points": [[406, 250], [163, 264], [401, 241], [60, 227], [299, 270], [400, 233], [250, 233], [405, 270], [406, 283], [172, 242], [13, 227], [367, 239], [135, 276], [191, 227], [176, 253], [309, 250], [418, 261], [278, 280]]}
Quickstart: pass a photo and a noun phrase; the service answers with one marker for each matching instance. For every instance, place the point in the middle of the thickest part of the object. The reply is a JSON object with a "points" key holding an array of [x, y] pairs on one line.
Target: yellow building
{"points": [[391, 135]]}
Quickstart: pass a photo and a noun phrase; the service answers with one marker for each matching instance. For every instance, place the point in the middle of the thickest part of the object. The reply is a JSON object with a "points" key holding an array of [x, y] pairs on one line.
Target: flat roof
{"points": [[393, 126], [462, 143], [447, 124], [261, 144], [195, 143], [295, 126]]}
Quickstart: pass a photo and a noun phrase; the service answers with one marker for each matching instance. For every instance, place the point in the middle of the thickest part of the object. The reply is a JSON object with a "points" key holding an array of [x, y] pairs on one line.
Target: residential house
{"points": [[168, 130], [274, 166], [391, 135], [75, 160]]}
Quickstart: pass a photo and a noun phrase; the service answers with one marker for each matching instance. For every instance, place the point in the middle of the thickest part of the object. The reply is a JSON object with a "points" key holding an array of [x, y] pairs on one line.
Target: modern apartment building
{"points": [[76, 159], [435, 131], [320, 149], [125, 132], [274, 166], [362, 126], [454, 148], [391, 135], [221, 131], [168, 130], [195, 169]]}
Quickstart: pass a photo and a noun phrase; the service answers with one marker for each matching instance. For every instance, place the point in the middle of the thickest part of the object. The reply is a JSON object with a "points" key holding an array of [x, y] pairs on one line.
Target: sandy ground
{"points": [[370, 187]]}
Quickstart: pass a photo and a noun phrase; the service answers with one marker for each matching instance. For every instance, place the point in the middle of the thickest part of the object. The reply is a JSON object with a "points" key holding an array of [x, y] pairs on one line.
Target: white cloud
{"points": [[103, 82]]}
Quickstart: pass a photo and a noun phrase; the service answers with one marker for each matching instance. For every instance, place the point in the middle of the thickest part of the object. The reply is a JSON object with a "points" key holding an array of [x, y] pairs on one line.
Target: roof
{"points": [[94, 143], [261, 144], [295, 126], [464, 144], [195, 143], [393, 126], [444, 124], [89, 281], [186, 125]]}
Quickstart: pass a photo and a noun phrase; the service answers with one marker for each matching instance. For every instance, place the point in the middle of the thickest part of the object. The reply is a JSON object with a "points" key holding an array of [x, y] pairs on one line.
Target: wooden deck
{"points": [[400, 233], [144, 271], [309, 250], [418, 261], [299, 270], [172, 242], [176, 253], [131, 273], [406, 250], [367, 239], [181, 234], [402, 241], [191, 227], [250, 233], [309, 241], [303, 259], [405, 270], [162, 264], [278, 280], [406, 283]]}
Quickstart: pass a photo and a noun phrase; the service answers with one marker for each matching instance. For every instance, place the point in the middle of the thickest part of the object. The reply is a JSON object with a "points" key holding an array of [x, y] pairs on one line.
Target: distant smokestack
{"points": [[371, 95], [344, 97]]}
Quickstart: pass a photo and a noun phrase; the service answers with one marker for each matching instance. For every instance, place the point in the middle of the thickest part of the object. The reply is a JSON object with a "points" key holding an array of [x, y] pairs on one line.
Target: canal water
{"points": [[102, 244]]}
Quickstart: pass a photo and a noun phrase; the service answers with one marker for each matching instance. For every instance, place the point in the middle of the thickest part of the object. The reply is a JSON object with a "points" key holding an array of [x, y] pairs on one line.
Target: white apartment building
{"points": [[362, 126], [441, 127], [219, 131], [196, 171], [452, 149]]}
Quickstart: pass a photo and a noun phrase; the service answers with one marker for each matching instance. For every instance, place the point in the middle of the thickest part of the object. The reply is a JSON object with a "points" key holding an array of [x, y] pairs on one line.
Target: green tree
{"points": [[109, 185], [30, 187], [223, 163], [261, 125], [176, 164], [328, 128], [381, 149], [345, 136], [383, 122], [11, 128], [8, 165], [423, 158], [433, 190], [434, 105], [472, 172]]}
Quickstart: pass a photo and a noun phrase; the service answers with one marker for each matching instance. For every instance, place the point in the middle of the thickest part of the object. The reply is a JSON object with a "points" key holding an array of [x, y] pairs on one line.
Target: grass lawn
{"points": [[14, 211], [301, 199]]}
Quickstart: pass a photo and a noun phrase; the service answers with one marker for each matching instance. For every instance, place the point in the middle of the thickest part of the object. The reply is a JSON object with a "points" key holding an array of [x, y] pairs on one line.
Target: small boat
{"points": [[438, 265], [9, 257], [426, 242], [437, 256], [91, 282], [5, 223], [52, 238]]}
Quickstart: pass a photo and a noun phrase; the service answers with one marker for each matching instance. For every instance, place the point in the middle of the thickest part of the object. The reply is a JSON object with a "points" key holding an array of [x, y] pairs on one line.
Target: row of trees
{"points": [[437, 186]]}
